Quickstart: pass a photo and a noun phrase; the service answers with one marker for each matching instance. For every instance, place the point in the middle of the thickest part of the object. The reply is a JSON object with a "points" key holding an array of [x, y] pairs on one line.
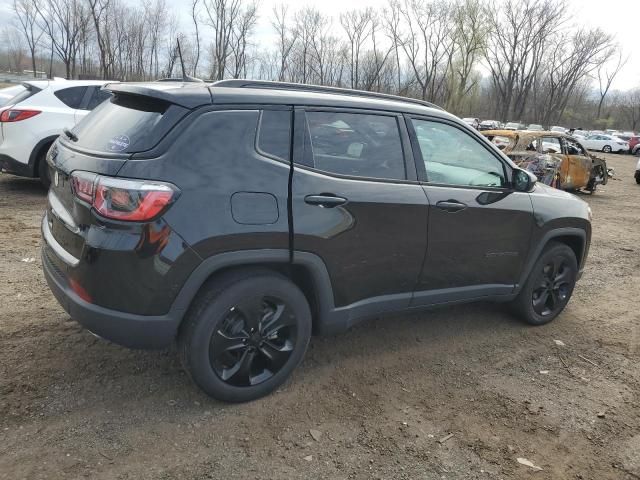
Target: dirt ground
{"points": [[458, 393]]}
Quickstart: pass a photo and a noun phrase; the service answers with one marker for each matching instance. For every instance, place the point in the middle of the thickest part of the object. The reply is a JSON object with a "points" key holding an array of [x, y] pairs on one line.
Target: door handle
{"points": [[326, 200], [451, 205]]}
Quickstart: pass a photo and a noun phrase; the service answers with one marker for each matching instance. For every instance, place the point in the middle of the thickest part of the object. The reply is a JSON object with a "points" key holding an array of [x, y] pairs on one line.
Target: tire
{"points": [[43, 169], [606, 149], [554, 275], [221, 353]]}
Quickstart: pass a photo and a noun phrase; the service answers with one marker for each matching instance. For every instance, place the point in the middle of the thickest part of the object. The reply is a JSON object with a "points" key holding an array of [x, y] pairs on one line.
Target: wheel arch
{"points": [[34, 158], [574, 238], [308, 272]]}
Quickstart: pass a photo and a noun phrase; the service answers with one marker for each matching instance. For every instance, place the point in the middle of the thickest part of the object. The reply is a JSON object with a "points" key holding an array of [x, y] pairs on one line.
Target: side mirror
{"points": [[523, 180]]}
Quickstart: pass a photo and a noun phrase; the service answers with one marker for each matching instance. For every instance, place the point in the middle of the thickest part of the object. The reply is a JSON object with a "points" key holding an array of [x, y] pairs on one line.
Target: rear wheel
{"points": [[606, 149], [549, 286], [43, 168], [245, 334]]}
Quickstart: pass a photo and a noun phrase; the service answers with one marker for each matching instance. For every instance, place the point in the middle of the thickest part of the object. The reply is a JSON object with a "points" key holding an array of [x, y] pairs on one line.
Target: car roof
{"points": [[192, 95]]}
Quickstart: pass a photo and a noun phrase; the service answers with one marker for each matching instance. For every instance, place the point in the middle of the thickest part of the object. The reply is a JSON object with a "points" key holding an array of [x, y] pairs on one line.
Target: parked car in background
{"points": [[489, 125], [579, 134], [557, 159], [33, 119], [6, 94], [472, 122], [558, 129], [605, 143], [637, 174], [395, 205], [514, 126], [633, 141], [534, 127]]}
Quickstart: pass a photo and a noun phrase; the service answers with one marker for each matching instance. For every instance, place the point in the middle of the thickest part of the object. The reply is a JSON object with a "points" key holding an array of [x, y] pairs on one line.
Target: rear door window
{"points": [[274, 134], [72, 96], [355, 144], [126, 124]]}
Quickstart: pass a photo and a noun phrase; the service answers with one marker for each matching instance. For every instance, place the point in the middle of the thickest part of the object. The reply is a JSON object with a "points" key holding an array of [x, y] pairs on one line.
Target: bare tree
{"points": [[287, 37], [520, 34], [27, 14], [16, 51], [63, 21], [240, 32], [357, 25], [570, 62], [470, 39], [195, 18], [222, 16], [607, 72]]}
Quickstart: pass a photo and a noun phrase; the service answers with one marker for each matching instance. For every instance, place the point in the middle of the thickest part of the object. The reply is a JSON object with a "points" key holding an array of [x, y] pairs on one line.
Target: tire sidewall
{"points": [[209, 316], [526, 304]]}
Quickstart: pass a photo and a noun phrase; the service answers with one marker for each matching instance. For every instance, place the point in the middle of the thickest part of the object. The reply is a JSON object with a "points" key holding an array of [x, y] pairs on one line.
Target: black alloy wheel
{"points": [[245, 334], [550, 284], [254, 341], [552, 293]]}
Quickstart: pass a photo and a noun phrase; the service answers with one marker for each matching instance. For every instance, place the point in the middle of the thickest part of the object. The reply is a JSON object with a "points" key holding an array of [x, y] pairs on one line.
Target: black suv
{"points": [[239, 217]]}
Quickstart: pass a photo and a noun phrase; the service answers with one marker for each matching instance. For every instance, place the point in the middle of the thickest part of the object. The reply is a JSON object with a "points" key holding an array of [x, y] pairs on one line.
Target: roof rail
{"points": [[239, 83]]}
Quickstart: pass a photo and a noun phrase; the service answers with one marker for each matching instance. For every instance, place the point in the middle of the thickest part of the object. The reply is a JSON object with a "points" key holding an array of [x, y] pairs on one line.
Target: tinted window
{"points": [[120, 125], [71, 97], [274, 135], [356, 144], [453, 157], [551, 145], [97, 97]]}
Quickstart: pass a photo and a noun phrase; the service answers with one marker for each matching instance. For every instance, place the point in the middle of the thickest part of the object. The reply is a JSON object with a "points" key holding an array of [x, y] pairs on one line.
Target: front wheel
{"points": [[606, 149], [245, 334], [550, 285]]}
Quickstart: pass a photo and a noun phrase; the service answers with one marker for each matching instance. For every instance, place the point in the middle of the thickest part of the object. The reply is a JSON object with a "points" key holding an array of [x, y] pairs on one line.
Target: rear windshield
{"points": [[20, 95], [124, 124]]}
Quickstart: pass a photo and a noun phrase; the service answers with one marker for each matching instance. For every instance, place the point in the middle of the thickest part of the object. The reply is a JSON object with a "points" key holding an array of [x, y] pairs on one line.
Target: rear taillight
{"points": [[123, 199], [14, 115]]}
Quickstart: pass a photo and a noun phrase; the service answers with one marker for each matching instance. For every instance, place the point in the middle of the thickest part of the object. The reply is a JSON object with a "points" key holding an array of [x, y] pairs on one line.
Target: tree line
{"points": [[513, 60]]}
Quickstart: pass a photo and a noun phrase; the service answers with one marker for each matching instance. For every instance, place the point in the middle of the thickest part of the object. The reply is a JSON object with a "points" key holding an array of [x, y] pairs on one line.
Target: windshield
{"points": [[124, 124], [17, 94]]}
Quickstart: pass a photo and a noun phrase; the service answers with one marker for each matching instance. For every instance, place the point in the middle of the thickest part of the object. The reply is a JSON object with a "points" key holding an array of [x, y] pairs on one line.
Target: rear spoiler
{"points": [[188, 95]]}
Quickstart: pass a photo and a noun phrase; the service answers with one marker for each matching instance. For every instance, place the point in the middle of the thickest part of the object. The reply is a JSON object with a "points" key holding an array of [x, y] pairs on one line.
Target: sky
{"points": [[619, 17]]}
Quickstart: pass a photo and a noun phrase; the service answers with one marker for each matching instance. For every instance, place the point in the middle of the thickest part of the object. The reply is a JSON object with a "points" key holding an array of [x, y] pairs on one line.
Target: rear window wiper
{"points": [[70, 135]]}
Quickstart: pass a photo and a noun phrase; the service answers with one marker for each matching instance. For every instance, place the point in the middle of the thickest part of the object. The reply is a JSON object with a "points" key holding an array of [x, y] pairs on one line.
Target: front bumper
{"points": [[11, 165], [126, 329]]}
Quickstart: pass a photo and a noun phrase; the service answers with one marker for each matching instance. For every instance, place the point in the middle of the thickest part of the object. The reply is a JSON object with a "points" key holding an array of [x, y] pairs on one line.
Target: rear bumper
{"points": [[11, 165], [126, 329]]}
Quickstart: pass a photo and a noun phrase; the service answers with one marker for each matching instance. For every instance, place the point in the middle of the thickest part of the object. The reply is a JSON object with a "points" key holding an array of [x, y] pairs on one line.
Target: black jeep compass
{"points": [[240, 217]]}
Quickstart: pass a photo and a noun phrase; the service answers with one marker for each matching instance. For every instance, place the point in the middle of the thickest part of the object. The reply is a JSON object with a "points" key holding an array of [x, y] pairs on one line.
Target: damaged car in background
{"points": [[557, 159]]}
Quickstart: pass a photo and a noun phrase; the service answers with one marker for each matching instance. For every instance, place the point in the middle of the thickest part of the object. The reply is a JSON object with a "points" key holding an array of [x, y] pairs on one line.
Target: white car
{"points": [[8, 93], [605, 143], [32, 120], [558, 129], [472, 122], [637, 174]]}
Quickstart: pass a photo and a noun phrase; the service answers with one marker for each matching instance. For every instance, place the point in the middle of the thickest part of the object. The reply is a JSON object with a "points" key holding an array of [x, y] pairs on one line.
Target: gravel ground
{"points": [[457, 393]]}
